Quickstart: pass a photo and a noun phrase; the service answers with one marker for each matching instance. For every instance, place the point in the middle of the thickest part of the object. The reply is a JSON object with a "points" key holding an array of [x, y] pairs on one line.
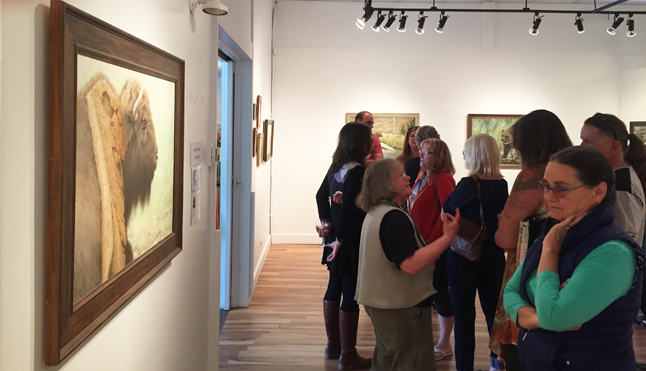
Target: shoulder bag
{"points": [[471, 236]]}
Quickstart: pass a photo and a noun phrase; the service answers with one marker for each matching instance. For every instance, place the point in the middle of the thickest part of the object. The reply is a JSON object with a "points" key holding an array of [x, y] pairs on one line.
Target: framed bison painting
{"points": [[500, 128], [115, 183]]}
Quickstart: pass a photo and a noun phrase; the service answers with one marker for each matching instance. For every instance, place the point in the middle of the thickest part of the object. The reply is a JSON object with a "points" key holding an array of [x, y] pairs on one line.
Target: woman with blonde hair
{"points": [[480, 195], [432, 187]]}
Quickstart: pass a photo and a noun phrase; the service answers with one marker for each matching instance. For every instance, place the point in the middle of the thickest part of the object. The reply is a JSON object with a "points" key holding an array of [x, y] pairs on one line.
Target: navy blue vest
{"points": [[605, 342]]}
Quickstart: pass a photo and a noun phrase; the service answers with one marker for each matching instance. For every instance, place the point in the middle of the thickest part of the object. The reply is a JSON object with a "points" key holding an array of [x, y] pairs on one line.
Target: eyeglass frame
{"points": [[604, 118], [560, 193]]}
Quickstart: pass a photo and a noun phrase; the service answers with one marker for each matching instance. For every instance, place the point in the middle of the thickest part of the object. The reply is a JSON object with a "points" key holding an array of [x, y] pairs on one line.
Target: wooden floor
{"points": [[283, 327]]}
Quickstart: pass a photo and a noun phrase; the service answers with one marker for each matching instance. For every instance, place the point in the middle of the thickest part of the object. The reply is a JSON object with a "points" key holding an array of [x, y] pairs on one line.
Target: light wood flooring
{"points": [[283, 327]]}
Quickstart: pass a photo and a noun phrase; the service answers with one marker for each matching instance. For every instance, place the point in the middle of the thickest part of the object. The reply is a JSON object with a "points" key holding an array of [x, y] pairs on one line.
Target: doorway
{"points": [[226, 76]]}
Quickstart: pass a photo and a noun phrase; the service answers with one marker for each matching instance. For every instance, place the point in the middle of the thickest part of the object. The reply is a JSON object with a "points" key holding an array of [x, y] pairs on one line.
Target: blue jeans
{"points": [[465, 277]]}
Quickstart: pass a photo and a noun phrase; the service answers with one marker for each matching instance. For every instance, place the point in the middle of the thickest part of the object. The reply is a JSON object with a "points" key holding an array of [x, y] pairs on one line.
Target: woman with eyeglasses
{"points": [[482, 158], [336, 205], [432, 187], [575, 295], [410, 155], [536, 136]]}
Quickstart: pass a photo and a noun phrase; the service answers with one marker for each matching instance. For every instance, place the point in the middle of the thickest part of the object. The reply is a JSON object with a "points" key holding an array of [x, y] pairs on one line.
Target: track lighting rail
{"points": [[524, 10]]}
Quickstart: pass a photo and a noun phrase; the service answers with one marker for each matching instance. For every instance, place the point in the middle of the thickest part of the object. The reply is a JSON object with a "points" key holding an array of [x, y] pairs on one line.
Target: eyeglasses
{"points": [[558, 192], [426, 153], [604, 118], [404, 175]]}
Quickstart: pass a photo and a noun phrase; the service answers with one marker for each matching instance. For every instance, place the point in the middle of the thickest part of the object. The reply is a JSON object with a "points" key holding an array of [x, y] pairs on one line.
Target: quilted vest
{"points": [[605, 342]]}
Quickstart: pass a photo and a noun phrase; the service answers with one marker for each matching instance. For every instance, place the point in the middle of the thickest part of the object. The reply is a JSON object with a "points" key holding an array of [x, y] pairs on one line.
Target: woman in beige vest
{"points": [[395, 279]]}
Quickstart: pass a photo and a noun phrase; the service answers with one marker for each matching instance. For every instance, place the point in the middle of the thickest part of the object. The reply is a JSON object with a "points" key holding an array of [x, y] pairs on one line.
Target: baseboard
{"points": [[296, 239], [261, 261]]}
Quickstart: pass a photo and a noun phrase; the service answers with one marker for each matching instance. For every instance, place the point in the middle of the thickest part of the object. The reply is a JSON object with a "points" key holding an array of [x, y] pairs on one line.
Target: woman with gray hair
{"points": [[395, 281], [480, 197]]}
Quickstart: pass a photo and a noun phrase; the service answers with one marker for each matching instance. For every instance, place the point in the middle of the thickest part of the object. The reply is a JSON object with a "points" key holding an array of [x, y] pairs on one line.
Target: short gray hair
{"points": [[377, 187], [425, 132]]}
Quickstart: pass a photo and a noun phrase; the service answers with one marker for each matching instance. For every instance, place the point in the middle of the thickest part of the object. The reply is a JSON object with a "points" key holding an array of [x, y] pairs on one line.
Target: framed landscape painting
{"points": [[115, 183], [391, 129], [500, 128]]}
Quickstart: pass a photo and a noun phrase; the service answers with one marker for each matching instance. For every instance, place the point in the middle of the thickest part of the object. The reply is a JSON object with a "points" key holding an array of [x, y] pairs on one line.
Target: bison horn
{"points": [[134, 108]]}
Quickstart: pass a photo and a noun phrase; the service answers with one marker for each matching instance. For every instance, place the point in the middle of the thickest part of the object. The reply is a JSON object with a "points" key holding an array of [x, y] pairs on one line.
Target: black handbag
{"points": [[470, 238]]}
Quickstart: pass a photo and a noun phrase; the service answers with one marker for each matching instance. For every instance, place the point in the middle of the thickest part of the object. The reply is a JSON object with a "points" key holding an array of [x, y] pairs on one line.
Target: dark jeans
{"points": [[465, 277], [442, 298], [342, 284]]}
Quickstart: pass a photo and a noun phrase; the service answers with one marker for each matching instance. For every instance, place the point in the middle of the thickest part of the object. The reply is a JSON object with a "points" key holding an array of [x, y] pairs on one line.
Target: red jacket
{"points": [[425, 208]]}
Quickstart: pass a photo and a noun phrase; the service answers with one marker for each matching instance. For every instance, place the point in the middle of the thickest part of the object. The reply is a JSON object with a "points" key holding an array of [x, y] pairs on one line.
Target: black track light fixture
{"points": [[536, 24], [615, 24], [402, 22], [631, 26], [578, 21], [420, 23], [391, 19], [380, 20], [440, 26], [361, 22]]}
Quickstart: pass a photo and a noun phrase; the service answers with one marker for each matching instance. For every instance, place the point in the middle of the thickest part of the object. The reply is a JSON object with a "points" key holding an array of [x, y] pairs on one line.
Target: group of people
{"points": [[560, 275]]}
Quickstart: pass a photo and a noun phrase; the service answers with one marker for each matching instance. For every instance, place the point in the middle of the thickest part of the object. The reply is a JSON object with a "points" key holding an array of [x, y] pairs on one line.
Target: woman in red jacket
{"points": [[432, 187]]}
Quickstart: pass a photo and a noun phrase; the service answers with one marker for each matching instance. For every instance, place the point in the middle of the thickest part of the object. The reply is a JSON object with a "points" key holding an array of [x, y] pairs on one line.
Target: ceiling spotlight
{"points": [[578, 21], [420, 23], [391, 19], [631, 26], [212, 7], [361, 22], [440, 26], [380, 20], [615, 24], [537, 22], [402, 22]]}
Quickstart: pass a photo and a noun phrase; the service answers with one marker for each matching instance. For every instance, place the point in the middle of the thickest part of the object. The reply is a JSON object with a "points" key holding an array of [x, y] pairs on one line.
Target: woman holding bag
{"points": [[336, 204], [484, 192], [537, 136]]}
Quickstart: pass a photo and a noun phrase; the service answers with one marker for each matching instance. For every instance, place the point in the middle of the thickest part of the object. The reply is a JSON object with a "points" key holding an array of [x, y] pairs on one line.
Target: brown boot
{"points": [[331, 315], [350, 359]]}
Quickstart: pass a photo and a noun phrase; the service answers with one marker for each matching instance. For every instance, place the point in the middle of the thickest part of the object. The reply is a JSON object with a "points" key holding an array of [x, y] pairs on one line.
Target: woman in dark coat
{"points": [[342, 220]]}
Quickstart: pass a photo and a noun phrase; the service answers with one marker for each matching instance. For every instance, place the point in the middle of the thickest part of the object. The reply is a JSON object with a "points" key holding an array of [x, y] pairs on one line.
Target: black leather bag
{"points": [[471, 236]]}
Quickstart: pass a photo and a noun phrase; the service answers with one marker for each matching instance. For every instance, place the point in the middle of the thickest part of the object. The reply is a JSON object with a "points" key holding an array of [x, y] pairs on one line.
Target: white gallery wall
{"points": [[483, 63], [172, 324]]}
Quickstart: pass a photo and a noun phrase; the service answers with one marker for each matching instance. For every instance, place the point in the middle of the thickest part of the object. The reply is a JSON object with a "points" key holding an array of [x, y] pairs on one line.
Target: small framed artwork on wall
{"points": [[259, 148], [258, 111], [639, 129], [268, 129], [500, 128]]}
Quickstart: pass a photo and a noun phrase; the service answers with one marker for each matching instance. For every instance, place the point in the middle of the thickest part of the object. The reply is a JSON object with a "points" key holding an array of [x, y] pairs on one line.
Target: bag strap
{"points": [[437, 198], [482, 223]]}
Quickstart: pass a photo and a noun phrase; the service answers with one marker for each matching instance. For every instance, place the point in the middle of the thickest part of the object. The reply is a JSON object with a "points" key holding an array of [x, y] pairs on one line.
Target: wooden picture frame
{"points": [[268, 129], [258, 111], [639, 129], [254, 143], [260, 149], [499, 127], [80, 43]]}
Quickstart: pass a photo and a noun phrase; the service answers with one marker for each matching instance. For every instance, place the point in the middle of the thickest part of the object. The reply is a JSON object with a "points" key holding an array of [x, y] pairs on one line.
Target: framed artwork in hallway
{"points": [[500, 128], [116, 163]]}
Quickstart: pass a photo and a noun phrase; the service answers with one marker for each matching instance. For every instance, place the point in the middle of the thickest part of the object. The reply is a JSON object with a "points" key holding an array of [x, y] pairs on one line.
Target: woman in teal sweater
{"points": [[579, 287]]}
